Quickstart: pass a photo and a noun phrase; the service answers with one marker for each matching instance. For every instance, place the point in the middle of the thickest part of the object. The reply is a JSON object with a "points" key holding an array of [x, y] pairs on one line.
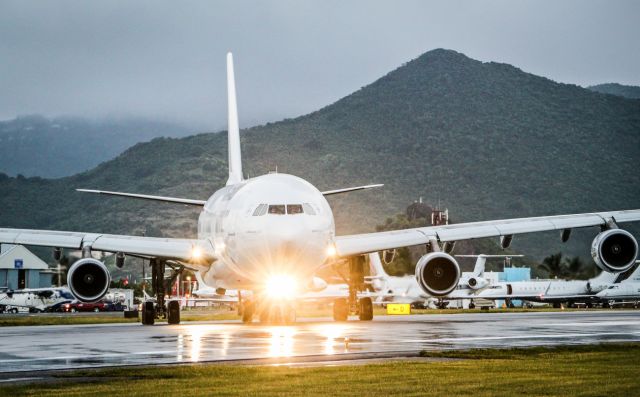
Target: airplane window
{"points": [[260, 210], [294, 209], [308, 209], [277, 209]]}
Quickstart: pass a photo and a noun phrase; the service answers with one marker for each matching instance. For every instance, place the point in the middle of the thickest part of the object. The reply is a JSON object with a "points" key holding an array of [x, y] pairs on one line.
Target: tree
{"points": [[553, 265]]}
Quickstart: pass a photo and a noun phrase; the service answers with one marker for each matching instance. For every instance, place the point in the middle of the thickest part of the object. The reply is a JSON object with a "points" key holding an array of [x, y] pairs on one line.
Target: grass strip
{"points": [[601, 370]]}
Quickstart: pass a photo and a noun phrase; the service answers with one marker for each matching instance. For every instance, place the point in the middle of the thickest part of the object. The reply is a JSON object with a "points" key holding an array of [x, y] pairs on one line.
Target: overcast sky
{"points": [[167, 59]]}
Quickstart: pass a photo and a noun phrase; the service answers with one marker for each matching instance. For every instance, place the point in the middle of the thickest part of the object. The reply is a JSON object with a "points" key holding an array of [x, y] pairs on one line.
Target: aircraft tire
{"points": [[148, 314], [366, 309], [173, 316], [340, 309]]}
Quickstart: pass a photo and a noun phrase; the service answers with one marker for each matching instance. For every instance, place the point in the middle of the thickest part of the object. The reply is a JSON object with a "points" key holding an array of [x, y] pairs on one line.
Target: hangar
{"points": [[20, 268]]}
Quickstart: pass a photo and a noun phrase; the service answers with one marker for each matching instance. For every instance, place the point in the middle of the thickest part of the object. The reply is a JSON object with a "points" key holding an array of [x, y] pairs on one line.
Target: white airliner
{"points": [[273, 232], [34, 299], [628, 289]]}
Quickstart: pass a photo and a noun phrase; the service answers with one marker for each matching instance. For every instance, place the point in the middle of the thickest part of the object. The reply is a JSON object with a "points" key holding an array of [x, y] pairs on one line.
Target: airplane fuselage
{"points": [[275, 224]]}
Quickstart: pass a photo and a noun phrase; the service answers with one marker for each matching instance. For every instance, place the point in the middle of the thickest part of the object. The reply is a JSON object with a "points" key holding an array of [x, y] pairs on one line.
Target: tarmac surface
{"points": [[38, 348]]}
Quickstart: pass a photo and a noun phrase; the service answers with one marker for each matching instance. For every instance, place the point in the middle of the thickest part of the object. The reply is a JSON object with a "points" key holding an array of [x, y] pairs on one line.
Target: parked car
{"points": [[77, 306]]}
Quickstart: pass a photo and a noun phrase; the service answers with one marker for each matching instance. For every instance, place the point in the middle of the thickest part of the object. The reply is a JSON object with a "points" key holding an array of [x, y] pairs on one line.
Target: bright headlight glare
{"points": [[281, 286], [331, 250], [196, 253]]}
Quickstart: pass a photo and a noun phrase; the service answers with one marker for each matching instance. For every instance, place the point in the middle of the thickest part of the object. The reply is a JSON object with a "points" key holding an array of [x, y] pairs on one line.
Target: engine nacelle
{"points": [[614, 250], [437, 273], [477, 282], [88, 279]]}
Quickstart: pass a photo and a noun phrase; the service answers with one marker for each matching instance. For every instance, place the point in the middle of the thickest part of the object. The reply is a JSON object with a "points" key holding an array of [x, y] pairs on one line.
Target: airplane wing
{"points": [[350, 189], [370, 242], [176, 200], [168, 248]]}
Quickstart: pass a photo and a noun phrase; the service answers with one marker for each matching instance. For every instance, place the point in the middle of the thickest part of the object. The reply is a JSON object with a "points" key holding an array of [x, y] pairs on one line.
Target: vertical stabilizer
{"points": [[235, 159], [478, 268], [376, 266]]}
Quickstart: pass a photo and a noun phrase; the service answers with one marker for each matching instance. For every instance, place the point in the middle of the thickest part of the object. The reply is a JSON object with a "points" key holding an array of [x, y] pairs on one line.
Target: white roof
{"points": [[30, 260]]}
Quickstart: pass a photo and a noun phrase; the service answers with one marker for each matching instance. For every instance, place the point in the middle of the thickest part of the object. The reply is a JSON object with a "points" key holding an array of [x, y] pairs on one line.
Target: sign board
{"points": [[18, 263], [399, 308]]}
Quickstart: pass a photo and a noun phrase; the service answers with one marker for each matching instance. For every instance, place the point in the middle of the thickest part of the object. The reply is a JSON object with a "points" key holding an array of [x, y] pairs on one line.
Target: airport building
{"points": [[20, 268]]}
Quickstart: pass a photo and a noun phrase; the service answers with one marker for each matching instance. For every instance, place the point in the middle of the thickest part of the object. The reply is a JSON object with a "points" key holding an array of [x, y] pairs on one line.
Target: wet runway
{"points": [[60, 347]]}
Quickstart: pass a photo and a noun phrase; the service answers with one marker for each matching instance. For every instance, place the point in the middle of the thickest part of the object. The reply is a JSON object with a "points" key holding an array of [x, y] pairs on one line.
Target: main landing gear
{"points": [[156, 310], [363, 307]]}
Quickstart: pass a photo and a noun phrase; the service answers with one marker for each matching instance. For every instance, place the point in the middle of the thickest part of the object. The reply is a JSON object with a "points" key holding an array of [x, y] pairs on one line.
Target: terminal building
{"points": [[20, 268]]}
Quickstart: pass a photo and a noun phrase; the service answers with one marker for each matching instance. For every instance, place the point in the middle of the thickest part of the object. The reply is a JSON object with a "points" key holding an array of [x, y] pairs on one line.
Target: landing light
{"points": [[196, 253], [281, 286], [331, 250]]}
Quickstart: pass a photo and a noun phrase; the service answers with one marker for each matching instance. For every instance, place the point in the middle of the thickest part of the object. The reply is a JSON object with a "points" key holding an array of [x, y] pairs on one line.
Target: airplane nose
{"points": [[293, 245]]}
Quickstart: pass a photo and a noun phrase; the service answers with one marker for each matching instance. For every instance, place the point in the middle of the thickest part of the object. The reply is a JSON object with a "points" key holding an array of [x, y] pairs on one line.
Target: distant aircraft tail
{"points": [[378, 279], [633, 274], [235, 158], [377, 270], [481, 260]]}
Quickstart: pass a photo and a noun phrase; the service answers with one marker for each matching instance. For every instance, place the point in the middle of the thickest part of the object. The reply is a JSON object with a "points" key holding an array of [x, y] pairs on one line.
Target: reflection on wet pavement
{"points": [[55, 347]]}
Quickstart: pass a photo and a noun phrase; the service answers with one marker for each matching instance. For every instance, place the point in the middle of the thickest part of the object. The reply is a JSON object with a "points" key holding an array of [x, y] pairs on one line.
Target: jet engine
{"points": [[88, 279], [437, 273], [614, 250], [477, 282]]}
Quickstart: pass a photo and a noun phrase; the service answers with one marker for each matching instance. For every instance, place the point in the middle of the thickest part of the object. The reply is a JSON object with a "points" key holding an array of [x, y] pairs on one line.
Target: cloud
{"points": [[166, 59]]}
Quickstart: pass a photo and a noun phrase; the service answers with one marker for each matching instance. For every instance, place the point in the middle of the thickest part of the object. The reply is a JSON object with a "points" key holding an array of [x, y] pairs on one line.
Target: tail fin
{"points": [[235, 159], [376, 266], [481, 260], [635, 274], [478, 268], [201, 283]]}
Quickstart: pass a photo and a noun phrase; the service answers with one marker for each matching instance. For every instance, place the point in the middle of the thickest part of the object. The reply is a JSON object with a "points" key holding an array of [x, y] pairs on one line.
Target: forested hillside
{"points": [[51, 148], [627, 91], [487, 139]]}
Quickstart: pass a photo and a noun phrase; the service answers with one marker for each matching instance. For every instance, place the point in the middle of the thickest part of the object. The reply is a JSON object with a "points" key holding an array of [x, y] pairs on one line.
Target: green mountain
{"points": [[52, 148], [627, 91], [486, 139]]}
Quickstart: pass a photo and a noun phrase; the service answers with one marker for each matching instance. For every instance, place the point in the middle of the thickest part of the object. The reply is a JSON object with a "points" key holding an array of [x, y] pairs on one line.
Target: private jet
{"points": [[34, 300]]}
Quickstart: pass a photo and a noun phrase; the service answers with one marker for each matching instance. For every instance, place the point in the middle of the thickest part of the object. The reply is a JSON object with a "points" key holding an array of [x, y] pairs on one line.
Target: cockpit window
{"points": [[308, 209], [260, 210], [278, 209], [294, 209]]}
